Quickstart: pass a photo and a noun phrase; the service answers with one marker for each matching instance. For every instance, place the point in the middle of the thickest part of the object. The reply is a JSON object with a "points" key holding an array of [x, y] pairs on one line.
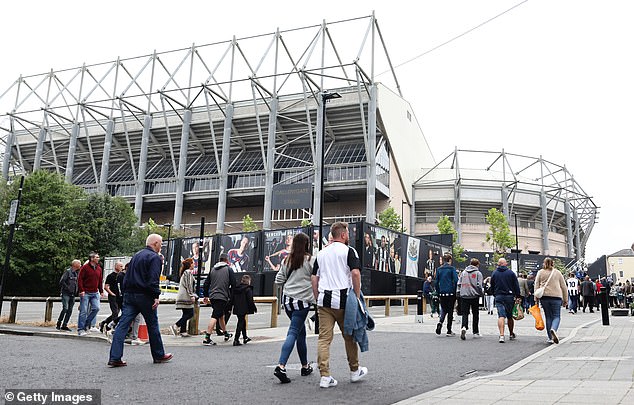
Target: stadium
{"points": [[266, 125]]}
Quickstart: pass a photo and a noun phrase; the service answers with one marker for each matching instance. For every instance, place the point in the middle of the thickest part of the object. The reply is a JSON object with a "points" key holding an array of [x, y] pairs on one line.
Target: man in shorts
{"points": [[217, 289], [506, 290]]}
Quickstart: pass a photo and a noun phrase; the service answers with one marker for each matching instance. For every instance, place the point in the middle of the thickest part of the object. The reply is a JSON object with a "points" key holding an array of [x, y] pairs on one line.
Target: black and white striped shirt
{"points": [[292, 304], [333, 267]]}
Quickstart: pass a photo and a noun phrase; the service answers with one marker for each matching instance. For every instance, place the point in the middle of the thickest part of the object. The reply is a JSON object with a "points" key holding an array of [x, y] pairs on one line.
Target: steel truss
{"points": [[185, 123], [564, 205]]}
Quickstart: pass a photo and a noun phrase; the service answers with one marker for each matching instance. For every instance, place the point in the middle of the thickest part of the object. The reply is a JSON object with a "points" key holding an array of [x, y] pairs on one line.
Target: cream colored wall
{"points": [[473, 238], [625, 264]]}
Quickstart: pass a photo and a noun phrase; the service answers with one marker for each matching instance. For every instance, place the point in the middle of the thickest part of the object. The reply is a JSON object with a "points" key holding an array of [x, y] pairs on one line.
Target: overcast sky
{"points": [[551, 78]]}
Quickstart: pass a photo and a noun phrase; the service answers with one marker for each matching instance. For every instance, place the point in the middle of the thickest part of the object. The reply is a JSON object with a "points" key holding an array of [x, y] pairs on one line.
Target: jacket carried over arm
{"points": [[357, 321]]}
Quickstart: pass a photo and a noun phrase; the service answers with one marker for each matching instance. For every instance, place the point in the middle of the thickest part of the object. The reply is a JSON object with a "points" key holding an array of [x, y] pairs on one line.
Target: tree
{"points": [[559, 265], [51, 232], [499, 235], [248, 224], [306, 222], [389, 219], [445, 226], [112, 224]]}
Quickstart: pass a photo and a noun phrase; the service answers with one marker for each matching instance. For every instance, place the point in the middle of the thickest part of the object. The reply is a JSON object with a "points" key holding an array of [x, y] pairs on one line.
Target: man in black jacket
{"points": [[68, 287], [141, 295]]}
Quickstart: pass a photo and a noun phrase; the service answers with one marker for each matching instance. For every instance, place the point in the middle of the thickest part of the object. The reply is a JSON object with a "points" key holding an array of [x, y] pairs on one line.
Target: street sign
{"points": [[12, 212]]}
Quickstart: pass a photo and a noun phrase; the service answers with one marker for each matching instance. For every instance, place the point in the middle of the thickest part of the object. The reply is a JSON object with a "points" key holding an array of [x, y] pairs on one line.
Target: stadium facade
{"points": [[547, 209], [226, 129]]}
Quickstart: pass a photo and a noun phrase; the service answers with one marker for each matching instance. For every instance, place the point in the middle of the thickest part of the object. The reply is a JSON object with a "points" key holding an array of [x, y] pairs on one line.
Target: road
{"points": [[400, 364]]}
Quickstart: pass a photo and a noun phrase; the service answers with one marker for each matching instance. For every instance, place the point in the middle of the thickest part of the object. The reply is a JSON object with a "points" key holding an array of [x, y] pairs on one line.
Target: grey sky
{"points": [[550, 78]]}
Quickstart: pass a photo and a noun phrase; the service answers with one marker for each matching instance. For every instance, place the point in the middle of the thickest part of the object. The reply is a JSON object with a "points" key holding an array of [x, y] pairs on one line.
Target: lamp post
{"points": [[168, 260], [325, 96], [402, 217], [517, 245]]}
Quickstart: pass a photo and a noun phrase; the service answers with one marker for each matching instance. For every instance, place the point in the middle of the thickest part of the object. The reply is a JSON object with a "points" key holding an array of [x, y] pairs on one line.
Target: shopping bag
{"points": [[518, 312], [537, 314]]}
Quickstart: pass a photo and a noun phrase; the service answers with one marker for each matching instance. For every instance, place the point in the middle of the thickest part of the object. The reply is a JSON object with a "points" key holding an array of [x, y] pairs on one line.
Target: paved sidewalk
{"points": [[594, 364]]}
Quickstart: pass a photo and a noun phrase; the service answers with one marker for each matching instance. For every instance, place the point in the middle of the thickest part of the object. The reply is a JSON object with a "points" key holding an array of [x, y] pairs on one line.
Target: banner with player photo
{"points": [[189, 248], [277, 246], [383, 249], [240, 248]]}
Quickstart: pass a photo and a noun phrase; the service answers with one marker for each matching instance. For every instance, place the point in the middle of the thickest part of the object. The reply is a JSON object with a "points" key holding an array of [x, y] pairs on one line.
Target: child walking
{"points": [[242, 306]]}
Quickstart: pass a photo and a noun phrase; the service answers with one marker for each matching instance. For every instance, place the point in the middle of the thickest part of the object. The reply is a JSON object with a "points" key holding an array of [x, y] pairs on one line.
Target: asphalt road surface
{"points": [[401, 365]]}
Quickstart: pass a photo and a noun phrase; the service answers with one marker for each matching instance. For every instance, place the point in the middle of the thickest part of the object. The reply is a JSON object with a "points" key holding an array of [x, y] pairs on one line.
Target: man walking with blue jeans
{"points": [[446, 285], [141, 295], [68, 287], [90, 288]]}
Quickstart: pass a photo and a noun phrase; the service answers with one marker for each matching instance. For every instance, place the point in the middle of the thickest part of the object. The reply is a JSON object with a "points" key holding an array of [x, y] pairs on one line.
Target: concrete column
{"points": [[270, 164], [105, 158], [39, 149], [7, 154], [317, 162], [571, 247], [224, 170], [577, 234], [140, 180], [505, 203], [544, 223], [412, 215], [457, 212], [370, 200], [182, 170], [72, 146]]}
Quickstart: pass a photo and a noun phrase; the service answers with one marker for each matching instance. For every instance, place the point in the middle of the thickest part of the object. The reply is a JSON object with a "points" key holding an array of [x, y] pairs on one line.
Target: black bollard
{"points": [[419, 303], [603, 296]]}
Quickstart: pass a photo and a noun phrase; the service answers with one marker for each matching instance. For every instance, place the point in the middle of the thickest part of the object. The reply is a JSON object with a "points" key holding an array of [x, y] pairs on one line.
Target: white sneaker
{"points": [[359, 374], [477, 335], [327, 382], [82, 333], [95, 329], [138, 342]]}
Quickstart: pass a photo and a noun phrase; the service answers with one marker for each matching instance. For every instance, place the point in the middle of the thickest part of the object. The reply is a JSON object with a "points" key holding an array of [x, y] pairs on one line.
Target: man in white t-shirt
{"points": [[573, 293], [336, 270]]}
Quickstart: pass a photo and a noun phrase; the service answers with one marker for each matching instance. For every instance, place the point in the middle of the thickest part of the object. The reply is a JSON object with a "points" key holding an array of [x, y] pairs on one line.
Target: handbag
{"points": [[539, 292], [518, 312], [537, 314]]}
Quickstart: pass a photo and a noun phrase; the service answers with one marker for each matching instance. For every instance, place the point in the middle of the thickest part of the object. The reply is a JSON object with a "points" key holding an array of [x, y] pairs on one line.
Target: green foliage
{"points": [[306, 222], [445, 226], [51, 231], [499, 235], [559, 265], [248, 224], [112, 224], [389, 219], [58, 222]]}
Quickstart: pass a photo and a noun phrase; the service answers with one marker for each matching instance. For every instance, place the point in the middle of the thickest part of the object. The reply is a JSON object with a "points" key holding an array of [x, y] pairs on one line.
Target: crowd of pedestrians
{"points": [[328, 282], [500, 293]]}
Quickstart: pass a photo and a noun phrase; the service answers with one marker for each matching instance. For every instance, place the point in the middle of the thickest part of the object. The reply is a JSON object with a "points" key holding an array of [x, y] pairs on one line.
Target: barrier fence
{"points": [[273, 301]]}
